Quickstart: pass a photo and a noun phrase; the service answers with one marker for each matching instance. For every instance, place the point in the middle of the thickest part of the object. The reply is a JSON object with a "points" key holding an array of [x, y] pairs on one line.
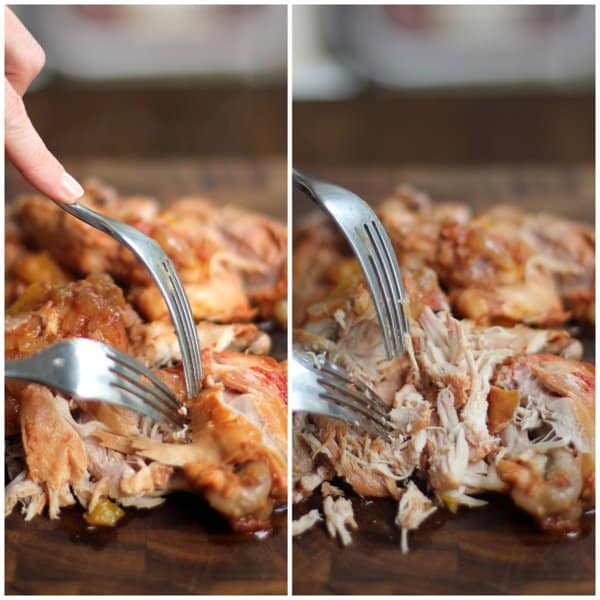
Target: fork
{"points": [[372, 247], [323, 388], [162, 271], [90, 370]]}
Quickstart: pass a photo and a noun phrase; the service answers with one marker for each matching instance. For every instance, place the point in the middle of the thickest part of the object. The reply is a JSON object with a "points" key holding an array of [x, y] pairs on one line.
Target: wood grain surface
{"points": [[436, 127], [182, 547], [492, 550], [161, 119]]}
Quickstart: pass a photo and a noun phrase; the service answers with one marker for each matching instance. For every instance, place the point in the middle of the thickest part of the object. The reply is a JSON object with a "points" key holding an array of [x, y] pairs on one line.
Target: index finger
{"points": [[26, 150], [24, 58]]}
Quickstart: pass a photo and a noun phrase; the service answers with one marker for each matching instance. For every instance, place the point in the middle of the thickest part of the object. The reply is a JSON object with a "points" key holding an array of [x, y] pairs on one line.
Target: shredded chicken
{"points": [[339, 518], [487, 403], [330, 490], [234, 451], [305, 522], [155, 343], [414, 507]]}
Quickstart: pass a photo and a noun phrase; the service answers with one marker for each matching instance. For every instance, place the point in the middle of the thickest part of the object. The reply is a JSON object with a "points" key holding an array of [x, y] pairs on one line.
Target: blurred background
{"points": [[160, 81], [445, 85]]}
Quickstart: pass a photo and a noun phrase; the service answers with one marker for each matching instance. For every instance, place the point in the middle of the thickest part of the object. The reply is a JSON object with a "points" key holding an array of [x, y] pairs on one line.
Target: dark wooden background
{"points": [[161, 119], [447, 127], [491, 550], [182, 547], [376, 128]]}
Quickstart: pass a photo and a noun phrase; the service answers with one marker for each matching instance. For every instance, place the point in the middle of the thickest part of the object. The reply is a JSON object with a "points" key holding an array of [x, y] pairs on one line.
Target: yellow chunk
{"points": [[105, 513], [34, 295]]}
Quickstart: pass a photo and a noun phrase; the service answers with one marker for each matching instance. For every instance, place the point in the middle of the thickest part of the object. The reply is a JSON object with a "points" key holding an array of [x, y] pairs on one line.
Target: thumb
{"points": [[28, 153]]}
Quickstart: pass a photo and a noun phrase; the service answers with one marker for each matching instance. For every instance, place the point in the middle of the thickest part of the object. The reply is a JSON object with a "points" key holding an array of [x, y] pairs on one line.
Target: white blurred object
{"points": [[428, 46], [315, 72], [141, 41]]}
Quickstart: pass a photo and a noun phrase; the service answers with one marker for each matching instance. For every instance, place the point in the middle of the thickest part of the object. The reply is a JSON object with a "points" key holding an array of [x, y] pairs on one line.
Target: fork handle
{"points": [[21, 370], [13, 369], [95, 219], [301, 181], [326, 195], [307, 185]]}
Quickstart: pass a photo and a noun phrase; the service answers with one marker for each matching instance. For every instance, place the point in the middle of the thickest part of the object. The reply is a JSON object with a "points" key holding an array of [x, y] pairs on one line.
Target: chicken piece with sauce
{"points": [[234, 452], [502, 266], [548, 464], [232, 262]]}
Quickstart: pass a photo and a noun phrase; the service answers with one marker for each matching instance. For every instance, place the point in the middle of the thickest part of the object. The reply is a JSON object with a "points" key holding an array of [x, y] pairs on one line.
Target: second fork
{"points": [[374, 251]]}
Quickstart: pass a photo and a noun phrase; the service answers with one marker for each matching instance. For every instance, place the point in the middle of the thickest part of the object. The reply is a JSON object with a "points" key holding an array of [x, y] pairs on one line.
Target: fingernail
{"points": [[71, 189]]}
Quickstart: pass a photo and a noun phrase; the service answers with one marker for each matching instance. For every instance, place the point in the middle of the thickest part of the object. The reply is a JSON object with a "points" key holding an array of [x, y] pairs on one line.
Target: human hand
{"points": [[24, 59]]}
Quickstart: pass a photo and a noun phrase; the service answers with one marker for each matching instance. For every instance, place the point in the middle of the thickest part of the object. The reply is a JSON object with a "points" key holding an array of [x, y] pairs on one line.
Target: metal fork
{"points": [[323, 388], [90, 370], [374, 250], [161, 269], [372, 247]]}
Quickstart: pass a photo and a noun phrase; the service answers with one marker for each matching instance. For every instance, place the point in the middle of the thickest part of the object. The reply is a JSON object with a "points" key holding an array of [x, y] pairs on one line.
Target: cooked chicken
{"points": [[339, 518], [251, 243], [23, 267], [155, 343], [503, 266], [564, 248], [228, 259], [234, 451], [414, 223], [305, 522], [549, 462], [330, 490], [318, 251], [414, 507], [235, 454], [54, 452], [456, 400], [94, 308]]}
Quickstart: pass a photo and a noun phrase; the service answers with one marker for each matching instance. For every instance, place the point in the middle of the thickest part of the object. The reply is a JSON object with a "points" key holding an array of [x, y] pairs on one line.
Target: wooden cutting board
{"points": [[493, 550], [182, 547]]}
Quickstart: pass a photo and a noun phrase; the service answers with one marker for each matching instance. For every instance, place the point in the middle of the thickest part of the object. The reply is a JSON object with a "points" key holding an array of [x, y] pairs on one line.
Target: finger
{"points": [[24, 58], [27, 152]]}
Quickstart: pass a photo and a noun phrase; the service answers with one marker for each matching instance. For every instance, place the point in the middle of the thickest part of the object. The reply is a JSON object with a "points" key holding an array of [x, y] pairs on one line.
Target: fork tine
{"points": [[377, 256], [366, 420], [353, 401], [327, 408], [331, 384], [175, 310], [134, 403], [152, 394], [190, 346], [149, 391], [367, 396], [378, 246], [358, 397], [378, 295], [396, 282], [371, 398], [149, 398], [138, 390], [126, 362], [191, 328]]}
